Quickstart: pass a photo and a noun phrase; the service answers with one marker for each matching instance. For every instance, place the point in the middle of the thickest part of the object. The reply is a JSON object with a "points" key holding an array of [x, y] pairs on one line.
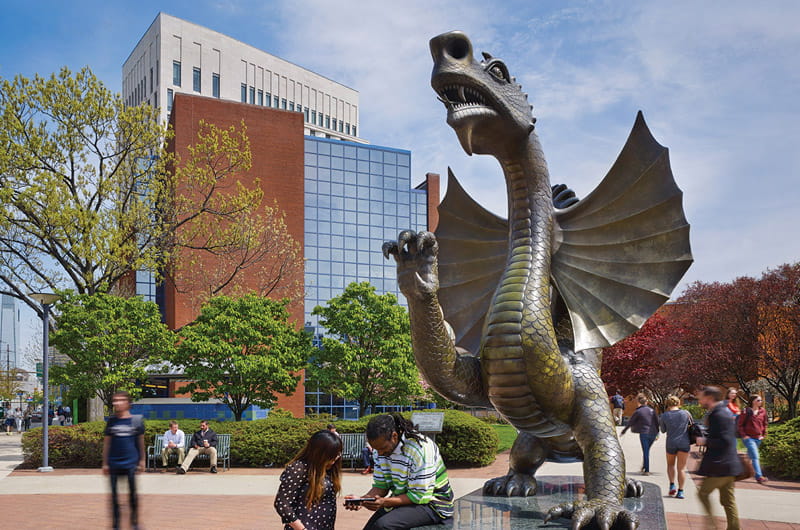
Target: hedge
{"points": [[465, 440], [780, 451]]}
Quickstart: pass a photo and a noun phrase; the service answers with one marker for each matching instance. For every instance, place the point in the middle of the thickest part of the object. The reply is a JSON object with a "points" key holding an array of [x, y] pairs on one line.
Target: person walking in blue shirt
{"points": [[123, 453], [644, 422]]}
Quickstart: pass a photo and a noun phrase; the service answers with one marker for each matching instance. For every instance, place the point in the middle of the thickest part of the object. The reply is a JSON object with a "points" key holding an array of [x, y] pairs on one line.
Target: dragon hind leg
{"points": [[527, 454]]}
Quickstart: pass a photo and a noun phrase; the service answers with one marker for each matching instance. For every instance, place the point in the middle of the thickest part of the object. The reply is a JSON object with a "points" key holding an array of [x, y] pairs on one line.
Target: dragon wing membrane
{"points": [[622, 250], [473, 247], [618, 253]]}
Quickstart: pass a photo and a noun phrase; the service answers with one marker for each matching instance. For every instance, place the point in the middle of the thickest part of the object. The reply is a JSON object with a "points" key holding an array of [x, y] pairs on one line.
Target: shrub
{"points": [[780, 451], [465, 440], [696, 411]]}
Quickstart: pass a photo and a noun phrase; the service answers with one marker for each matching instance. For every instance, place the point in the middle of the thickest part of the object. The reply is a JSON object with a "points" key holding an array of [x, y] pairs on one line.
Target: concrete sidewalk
{"points": [[72, 493]]}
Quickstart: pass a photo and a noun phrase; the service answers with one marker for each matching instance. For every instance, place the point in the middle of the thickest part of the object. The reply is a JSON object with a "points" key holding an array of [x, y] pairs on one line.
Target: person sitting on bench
{"points": [[204, 442], [174, 442]]}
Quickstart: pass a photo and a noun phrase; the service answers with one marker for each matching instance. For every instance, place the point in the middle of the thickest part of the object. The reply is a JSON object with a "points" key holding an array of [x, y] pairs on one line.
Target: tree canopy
{"points": [[111, 343], [89, 191], [76, 197], [371, 359], [242, 351]]}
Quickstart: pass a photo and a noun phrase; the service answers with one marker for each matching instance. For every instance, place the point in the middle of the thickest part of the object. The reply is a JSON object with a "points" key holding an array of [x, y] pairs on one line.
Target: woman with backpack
{"points": [[675, 422], [752, 428]]}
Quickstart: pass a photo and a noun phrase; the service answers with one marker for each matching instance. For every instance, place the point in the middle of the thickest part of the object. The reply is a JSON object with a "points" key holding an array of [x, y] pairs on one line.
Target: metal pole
{"points": [[45, 376]]}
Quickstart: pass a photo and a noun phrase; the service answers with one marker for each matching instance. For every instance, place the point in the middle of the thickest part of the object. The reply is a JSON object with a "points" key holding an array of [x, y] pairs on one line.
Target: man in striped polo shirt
{"points": [[410, 484]]}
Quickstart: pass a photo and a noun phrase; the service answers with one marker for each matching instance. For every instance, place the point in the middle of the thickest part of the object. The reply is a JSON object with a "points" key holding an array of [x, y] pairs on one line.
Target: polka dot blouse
{"points": [[290, 502]]}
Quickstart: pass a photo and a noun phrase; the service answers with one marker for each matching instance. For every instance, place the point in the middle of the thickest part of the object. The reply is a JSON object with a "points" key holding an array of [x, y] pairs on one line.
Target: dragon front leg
{"points": [[604, 462], [451, 371]]}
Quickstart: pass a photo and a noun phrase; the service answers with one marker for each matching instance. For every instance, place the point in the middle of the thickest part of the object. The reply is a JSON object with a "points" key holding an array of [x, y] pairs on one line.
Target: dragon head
{"points": [[485, 105]]}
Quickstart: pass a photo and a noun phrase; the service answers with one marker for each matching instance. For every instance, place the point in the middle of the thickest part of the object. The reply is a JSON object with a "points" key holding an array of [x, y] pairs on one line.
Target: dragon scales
{"points": [[513, 314]]}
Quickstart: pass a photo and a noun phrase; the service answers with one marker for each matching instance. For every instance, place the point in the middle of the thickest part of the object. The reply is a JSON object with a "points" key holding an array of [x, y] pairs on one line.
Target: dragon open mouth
{"points": [[458, 98]]}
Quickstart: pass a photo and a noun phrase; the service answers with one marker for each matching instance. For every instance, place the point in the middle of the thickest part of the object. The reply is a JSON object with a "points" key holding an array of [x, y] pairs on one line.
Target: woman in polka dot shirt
{"points": [[306, 498]]}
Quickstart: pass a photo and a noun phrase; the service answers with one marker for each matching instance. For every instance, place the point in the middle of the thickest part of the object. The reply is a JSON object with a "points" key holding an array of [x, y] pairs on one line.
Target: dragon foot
{"points": [[633, 488], [606, 513], [417, 266], [511, 485]]}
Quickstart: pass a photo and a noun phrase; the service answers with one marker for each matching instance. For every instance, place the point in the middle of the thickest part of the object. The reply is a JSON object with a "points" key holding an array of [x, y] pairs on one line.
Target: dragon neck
{"points": [[527, 274]]}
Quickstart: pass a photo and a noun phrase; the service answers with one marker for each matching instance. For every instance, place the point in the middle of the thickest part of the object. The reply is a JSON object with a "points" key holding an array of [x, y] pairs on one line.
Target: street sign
{"points": [[38, 369]]}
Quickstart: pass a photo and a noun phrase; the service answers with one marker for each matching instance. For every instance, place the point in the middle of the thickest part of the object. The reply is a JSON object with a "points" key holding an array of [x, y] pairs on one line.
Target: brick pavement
{"points": [[79, 512]]}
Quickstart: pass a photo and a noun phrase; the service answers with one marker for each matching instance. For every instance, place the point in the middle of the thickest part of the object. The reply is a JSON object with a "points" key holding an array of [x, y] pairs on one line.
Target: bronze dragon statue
{"points": [[513, 314]]}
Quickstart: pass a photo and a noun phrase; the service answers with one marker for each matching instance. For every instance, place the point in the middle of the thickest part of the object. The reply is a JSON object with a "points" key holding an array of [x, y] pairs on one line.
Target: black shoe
{"points": [[213, 469], [181, 471]]}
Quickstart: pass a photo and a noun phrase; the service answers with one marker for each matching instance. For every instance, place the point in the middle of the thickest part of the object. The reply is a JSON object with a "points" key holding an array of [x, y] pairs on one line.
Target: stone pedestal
{"points": [[477, 511]]}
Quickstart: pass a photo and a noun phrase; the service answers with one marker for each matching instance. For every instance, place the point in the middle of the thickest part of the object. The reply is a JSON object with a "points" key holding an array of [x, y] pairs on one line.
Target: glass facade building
{"points": [[356, 197]]}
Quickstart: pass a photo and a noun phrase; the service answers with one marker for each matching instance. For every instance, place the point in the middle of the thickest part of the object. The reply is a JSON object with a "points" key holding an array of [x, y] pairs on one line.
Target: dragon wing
{"points": [[619, 253], [473, 246]]}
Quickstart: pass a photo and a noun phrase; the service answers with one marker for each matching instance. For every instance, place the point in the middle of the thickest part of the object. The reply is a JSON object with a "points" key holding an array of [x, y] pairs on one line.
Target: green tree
{"points": [[111, 343], [242, 351], [76, 197], [372, 360], [89, 192]]}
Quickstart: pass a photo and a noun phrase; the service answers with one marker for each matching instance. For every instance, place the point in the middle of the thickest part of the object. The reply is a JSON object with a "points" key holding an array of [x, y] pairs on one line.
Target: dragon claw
{"points": [[605, 513], [416, 257], [633, 488], [511, 485]]}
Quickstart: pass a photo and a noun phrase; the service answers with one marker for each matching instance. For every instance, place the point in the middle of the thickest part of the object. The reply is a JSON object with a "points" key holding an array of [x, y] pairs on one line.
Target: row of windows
{"points": [[317, 194], [358, 153], [265, 99], [399, 179], [374, 216], [139, 93], [196, 80]]}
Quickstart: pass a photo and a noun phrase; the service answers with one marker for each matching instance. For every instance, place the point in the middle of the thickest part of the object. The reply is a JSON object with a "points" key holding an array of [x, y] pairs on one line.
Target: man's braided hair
{"points": [[384, 425]]}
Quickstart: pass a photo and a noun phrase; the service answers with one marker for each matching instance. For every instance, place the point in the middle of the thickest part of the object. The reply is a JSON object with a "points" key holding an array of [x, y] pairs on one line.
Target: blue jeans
{"points": [[647, 441], [752, 451]]}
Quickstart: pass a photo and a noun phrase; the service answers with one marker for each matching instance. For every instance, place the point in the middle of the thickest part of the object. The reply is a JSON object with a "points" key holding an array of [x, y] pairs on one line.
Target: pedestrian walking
{"points": [[752, 428], [618, 406], [721, 463], [123, 453], [732, 402], [306, 497], [9, 419], [675, 423], [19, 417], [644, 421]]}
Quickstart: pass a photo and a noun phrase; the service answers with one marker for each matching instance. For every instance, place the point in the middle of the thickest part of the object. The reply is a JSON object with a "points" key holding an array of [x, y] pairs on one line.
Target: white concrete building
{"points": [[176, 56], [9, 333]]}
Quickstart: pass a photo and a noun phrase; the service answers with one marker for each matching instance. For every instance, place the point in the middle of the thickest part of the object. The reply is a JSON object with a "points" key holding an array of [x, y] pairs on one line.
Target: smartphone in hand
{"points": [[359, 500]]}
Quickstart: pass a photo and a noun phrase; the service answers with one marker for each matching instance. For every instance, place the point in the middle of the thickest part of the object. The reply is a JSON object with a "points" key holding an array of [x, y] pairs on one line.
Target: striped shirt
{"points": [[416, 469]]}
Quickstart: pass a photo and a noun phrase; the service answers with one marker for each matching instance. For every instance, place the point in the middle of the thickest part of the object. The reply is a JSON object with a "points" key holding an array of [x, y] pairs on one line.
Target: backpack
{"points": [[618, 402]]}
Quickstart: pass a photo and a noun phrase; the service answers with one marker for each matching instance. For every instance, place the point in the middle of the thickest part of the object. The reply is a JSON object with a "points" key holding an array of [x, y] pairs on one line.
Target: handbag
{"points": [[695, 432], [747, 468]]}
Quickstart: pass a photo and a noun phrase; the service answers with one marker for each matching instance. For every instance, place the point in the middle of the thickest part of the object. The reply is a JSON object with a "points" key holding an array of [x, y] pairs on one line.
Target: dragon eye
{"points": [[499, 70]]}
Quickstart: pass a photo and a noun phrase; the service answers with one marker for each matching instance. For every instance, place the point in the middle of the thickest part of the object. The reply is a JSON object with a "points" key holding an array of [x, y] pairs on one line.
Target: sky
{"points": [[718, 83]]}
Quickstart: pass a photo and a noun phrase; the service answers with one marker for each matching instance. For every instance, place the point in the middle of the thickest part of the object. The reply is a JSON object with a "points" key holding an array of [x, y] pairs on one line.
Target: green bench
{"points": [[223, 452], [352, 444]]}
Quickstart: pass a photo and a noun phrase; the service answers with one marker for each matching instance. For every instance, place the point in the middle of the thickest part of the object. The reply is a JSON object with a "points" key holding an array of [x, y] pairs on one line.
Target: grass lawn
{"points": [[507, 435]]}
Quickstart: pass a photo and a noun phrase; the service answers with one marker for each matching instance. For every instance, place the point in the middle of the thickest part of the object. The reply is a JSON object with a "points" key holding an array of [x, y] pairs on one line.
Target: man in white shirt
{"points": [[174, 442]]}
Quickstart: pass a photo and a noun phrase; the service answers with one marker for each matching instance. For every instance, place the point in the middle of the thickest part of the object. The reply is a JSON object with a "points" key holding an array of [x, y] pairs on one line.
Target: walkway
{"points": [[242, 498]]}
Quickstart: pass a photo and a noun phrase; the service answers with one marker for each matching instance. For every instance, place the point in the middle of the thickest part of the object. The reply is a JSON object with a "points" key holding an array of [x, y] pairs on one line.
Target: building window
{"points": [[151, 79], [268, 99], [244, 93], [347, 128], [275, 103], [215, 85], [291, 106], [176, 73], [305, 111], [334, 124], [196, 79], [252, 95], [341, 126], [261, 97], [299, 108], [354, 131], [327, 122], [170, 96], [314, 117], [283, 103], [157, 70]]}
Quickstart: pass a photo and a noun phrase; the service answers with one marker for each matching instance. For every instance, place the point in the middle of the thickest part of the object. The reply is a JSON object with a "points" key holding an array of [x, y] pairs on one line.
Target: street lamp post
{"points": [[46, 299]]}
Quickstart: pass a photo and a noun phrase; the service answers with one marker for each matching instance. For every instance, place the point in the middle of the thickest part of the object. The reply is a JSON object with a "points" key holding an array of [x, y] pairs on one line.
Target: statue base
{"points": [[477, 511]]}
